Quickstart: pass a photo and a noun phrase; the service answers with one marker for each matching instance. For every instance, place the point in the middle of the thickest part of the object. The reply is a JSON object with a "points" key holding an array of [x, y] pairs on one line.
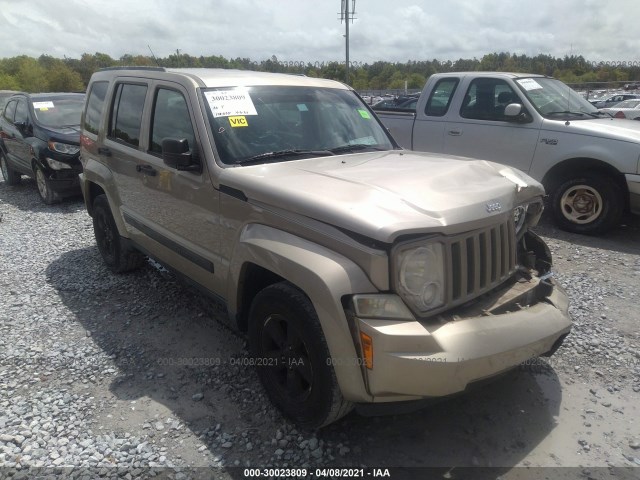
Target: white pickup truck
{"points": [[587, 161]]}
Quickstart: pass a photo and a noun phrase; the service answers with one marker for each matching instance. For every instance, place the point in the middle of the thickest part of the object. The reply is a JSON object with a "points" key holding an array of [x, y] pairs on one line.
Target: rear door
{"points": [[173, 214], [428, 130], [14, 137], [480, 130]]}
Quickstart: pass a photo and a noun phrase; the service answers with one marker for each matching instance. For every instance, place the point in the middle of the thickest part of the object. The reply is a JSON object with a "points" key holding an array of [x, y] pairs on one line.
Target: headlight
{"points": [[56, 165], [420, 276], [63, 148]]}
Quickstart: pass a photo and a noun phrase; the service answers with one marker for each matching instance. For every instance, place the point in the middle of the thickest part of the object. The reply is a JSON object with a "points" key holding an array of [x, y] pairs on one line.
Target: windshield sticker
{"points": [[238, 122], [229, 103], [302, 107], [364, 114], [42, 105], [529, 84]]}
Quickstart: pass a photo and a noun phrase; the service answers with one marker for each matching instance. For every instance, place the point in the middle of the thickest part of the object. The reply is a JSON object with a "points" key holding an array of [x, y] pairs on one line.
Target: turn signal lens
{"points": [[367, 350]]}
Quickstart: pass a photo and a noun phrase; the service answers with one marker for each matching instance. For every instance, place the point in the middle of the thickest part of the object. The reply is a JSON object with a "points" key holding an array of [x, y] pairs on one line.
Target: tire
{"points": [[118, 256], [292, 358], [11, 177], [47, 195], [588, 204]]}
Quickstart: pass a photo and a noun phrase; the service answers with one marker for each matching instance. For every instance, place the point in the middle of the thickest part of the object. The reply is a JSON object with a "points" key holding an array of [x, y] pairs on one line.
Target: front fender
{"points": [[323, 275]]}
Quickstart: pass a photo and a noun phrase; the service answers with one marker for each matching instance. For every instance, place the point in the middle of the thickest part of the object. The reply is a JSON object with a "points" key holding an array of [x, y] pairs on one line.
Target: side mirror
{"points": [[514, 112], [176, 154]]}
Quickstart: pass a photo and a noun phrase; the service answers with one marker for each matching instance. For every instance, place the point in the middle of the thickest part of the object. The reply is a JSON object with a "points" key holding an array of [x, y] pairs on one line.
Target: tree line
{"points": [[50, 74]]}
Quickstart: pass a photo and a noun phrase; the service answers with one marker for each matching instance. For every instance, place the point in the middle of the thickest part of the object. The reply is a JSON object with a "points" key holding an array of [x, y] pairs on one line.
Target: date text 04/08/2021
{"points": [[317, 473]]}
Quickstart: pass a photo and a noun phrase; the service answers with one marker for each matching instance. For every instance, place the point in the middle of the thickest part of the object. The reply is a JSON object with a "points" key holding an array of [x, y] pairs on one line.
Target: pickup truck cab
{"points": [[586, 160], [363, 274]]}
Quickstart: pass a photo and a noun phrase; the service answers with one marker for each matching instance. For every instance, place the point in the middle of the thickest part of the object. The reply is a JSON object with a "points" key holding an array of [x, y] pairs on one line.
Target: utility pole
{"points": [[346, 16]]}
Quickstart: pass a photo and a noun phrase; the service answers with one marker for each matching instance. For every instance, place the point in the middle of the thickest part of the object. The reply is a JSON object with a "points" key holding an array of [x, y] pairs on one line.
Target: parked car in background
{"points": [[614, 99], [402, 102], [4, 97], [587, 161], [40, 137], [627, 109]]}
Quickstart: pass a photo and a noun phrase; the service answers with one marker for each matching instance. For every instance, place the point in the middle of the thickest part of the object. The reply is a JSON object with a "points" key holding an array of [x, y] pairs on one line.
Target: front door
{"points": [[481, 130]]}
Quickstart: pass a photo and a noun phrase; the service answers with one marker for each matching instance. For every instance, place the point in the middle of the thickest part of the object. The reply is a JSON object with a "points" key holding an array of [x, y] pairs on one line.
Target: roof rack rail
{"points": [[153, 69]]}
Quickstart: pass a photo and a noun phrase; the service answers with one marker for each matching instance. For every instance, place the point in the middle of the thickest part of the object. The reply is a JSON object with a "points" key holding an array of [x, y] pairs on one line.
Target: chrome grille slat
{"points": [[479, 261]]}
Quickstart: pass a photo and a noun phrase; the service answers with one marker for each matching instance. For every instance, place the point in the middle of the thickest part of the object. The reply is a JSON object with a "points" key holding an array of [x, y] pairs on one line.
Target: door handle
{"points": [[104, 151], [455, 133], [146, 170]]}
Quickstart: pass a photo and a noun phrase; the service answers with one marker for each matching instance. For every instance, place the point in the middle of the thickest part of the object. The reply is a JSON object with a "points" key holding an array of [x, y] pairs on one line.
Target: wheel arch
{"points": [[575, 167], [265, 255], [92, 190]]}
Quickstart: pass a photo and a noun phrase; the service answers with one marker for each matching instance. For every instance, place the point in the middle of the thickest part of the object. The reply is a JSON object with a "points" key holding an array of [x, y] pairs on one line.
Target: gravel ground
{"points": [[138, 375]]}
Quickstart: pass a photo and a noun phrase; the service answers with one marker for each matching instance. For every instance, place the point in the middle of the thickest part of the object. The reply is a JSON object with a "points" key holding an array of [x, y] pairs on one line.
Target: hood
{"points": [[384, 195], [67, 134], [610, 128]]}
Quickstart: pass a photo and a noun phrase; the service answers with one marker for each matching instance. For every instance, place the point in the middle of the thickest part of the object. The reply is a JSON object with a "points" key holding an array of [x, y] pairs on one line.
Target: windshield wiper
{"points": [[282, 154], [571, 112], [354, 147]]}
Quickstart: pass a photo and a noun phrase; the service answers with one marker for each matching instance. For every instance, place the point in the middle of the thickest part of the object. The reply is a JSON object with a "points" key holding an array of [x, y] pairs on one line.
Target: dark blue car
{"points": [[40, 137]]}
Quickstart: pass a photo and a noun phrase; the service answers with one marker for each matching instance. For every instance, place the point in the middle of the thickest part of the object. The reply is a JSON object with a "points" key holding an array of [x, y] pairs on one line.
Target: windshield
{"points": [[58, 112], [554, 99], [277, 123]]}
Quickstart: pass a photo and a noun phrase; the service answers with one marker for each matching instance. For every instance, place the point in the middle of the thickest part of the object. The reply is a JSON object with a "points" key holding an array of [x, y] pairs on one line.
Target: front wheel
{"points": [[47, 195], [288, 347], [588, 204], [11, 177], [118, 256]]}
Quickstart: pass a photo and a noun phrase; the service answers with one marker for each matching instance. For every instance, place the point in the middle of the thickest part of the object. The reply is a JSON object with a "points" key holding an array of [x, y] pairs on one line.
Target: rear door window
{"points": [[441, 96], [126, 116], [10, 111]]}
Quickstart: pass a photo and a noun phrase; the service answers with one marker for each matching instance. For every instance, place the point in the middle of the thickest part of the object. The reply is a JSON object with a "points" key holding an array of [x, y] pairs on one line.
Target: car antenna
{"points": [[154, 57]]}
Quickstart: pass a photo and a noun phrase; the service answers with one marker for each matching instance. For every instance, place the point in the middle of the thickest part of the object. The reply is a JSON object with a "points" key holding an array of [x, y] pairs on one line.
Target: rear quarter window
{"points": [[95, 103]]}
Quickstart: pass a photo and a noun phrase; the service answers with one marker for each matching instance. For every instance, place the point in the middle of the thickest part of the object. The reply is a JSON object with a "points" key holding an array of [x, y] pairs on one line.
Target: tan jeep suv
{"points": [[363, 273]]}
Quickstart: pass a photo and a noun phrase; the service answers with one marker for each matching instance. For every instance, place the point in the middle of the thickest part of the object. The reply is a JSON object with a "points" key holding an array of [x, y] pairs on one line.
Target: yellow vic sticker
{"points": [[238, 121]]}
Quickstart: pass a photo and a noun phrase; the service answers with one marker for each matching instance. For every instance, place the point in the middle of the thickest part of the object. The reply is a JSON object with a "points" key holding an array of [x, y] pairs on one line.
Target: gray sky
{"points": [[310, 31]]}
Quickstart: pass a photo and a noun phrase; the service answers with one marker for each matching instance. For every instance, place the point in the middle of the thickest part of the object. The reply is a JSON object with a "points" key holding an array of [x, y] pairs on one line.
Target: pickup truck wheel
{"points": [[118, 256], [44, 187], [292, 359], [588, 205], [10, 176]]}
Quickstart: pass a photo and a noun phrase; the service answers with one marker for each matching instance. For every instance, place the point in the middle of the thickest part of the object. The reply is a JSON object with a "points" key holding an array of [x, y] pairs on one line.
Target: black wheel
{"points": [[292, 358], [116, 254], [47, 195], [11, 177], [588, 204]]}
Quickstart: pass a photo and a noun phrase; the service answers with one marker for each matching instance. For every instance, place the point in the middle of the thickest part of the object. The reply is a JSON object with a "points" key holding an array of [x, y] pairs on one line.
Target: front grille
{"points": [[479, 261]]}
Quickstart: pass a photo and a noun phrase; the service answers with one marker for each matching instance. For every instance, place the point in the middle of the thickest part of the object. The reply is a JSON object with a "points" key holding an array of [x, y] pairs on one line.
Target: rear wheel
{"points": [[11, 177], [44, 187], [288, 346], [118, 256], [588, 204]]}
